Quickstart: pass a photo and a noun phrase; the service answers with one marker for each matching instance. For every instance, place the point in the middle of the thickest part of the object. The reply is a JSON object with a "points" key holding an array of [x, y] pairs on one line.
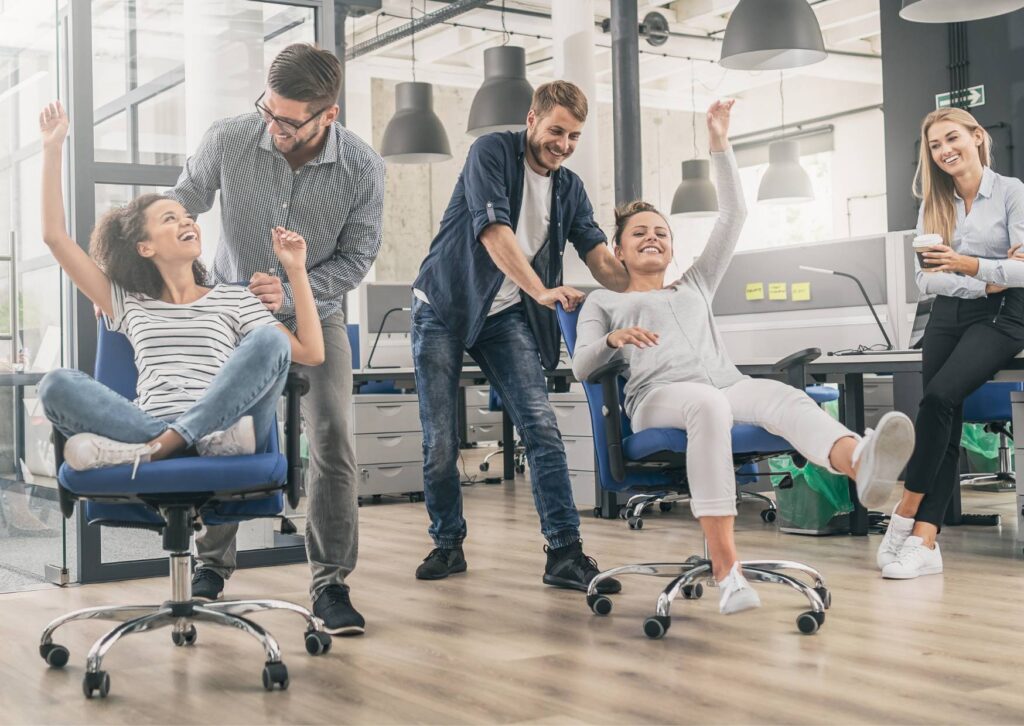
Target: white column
{"points": [[572, 22], [224, 73]]}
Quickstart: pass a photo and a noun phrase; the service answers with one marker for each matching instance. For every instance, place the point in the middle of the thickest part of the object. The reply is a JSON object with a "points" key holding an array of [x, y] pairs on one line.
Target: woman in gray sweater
{"points": [[680, 375]]}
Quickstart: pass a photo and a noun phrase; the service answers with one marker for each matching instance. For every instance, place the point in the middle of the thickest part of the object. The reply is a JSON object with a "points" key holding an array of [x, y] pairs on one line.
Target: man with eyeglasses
{"points": [[291, 164]]}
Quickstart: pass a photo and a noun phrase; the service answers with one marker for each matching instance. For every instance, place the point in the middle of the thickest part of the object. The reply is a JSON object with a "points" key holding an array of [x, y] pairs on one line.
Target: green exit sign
{"points": [[969, 97]]}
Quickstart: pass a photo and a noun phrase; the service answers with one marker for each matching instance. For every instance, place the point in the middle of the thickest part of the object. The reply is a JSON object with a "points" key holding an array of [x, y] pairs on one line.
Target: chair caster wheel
{"points": [[809, 622], [485, 466], [666, 506], [625, 513], [768, 515], [416, 497], [636, 523], [97, 683], [825, 595], [520, 470], [693, 592], [656, 626], [56, 656], [186, 637], [317, 643], [597, 512], [600, 604], [275, 673]]}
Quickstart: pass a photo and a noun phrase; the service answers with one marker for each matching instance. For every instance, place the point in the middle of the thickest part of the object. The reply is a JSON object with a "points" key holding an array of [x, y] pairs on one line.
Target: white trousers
{"points": [[707, 414]]}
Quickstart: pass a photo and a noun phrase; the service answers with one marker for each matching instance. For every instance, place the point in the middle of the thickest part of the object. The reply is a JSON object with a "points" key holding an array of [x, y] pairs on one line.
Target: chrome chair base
{"points": [[637, 504], [180, 613], [1003, 480], [689, 578]]}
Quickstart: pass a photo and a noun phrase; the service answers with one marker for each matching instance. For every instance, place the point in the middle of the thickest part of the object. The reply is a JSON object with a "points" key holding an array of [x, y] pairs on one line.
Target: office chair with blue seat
{"points": [[654, 461], [990, 405], [170, 496]]}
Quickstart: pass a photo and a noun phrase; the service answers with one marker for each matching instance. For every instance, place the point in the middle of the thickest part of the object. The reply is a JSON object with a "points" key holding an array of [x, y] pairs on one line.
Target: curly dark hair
{"points": [[113, 246], [625, 211]]}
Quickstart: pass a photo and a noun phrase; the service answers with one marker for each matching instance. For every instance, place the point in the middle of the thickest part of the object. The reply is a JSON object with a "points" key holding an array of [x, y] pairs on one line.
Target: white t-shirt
{"points": [[531, 231], [531, 234], [180, 348]]}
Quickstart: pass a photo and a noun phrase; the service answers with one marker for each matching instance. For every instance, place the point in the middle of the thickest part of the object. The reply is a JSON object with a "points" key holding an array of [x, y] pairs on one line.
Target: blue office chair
{"points": [[654, 461], [990, 405], [170, 496], [381, 386]]}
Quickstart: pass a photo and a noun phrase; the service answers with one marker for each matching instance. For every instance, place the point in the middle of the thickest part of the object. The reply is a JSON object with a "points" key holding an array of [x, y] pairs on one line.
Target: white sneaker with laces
{"points": [[737, 594], [914, 560], [92, 451], [895, 535], [239, 439], [880, 457]]}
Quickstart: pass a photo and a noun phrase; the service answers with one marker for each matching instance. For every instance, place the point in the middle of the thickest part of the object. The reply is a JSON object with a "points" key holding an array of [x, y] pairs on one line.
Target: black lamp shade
{"points": [[504, 98], [769, 35], [415, 135], [695, 196], [956, 11]]}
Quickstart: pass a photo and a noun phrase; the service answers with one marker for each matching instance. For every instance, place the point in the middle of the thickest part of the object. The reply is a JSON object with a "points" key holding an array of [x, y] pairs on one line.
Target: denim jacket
{"points": [[458, 275]]}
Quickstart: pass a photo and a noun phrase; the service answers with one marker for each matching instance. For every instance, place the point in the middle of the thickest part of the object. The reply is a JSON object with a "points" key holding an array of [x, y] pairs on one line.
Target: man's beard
{"points": [[298, 143], [536, 149]]}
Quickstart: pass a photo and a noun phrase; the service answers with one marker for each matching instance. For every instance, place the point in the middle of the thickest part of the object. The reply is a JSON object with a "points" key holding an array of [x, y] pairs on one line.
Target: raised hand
{"points": [[290, 248], [718, 124], [53, 124]]}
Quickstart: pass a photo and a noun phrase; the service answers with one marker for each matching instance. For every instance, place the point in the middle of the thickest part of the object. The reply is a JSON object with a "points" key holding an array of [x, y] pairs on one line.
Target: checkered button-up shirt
{"points": [[334, 201]]}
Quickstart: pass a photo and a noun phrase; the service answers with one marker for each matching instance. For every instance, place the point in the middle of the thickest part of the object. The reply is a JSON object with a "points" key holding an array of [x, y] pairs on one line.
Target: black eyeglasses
{"points": [[285, 125]]}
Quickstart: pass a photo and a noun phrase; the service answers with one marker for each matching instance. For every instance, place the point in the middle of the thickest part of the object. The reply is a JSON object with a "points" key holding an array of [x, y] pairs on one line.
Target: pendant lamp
{"points": [[504, 98], [415, 135], [785, 181], [764, 35], [695, 196], [956, 11]]}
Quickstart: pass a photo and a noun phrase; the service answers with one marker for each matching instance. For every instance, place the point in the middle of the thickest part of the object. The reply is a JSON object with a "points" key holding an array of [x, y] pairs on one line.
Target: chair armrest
{"points": [[794, 366], [295, 388], [608, 378], [64, 497]]}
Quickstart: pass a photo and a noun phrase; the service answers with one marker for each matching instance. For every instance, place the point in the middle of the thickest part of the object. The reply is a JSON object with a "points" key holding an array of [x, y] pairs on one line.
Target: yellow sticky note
{"points": [[801, 292], [777, 290], [755, 291]]}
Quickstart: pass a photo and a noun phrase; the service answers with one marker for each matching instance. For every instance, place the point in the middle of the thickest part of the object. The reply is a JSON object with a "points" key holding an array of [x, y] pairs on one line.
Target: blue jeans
{"points": [[508, 355], [249, 384]]}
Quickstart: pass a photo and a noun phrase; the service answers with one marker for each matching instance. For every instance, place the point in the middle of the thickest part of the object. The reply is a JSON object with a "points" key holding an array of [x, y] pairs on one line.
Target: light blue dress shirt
{"points": [[996, 222]]}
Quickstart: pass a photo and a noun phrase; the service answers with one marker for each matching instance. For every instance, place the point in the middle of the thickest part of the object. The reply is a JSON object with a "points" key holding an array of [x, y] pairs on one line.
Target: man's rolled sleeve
{"points": [[484, 179]]}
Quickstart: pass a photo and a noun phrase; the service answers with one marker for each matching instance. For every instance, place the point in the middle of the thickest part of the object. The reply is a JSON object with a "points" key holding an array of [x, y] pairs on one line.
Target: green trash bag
{"points": [[982, 449]]}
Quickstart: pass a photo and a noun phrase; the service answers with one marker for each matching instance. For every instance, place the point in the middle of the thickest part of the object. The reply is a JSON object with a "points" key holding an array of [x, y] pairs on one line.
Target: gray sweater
{"points": [[690, 348]]}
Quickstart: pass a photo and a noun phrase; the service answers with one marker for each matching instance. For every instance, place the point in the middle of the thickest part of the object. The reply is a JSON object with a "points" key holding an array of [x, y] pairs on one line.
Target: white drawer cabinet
{"points": [[389, 443], [573, 417]]}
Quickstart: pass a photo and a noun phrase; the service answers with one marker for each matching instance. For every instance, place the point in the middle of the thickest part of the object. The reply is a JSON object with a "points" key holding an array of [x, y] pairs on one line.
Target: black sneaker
{"points": [[440, 563], [334, 607], [207, 585], [570, 567]]}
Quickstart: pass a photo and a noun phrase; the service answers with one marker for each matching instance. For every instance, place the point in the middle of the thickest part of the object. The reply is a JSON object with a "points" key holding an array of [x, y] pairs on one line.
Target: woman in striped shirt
{"points": [[212, 362]]}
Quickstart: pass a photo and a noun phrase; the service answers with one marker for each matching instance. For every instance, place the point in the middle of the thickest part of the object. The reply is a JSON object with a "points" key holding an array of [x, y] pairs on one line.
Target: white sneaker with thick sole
{"points": [[895, 535], [92, 451], [914, 560], [239, 439], [737, 594], [880, 457]]}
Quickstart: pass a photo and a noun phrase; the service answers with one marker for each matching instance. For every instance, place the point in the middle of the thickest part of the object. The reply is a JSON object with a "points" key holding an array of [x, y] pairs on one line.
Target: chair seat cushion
{"points": [[745, 439], [225, 475]]}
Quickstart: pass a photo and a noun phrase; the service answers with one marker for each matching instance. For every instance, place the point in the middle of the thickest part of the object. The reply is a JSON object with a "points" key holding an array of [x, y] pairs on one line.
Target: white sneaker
{"points": [[92, 451], [239, 439], [896, 534], [914, 560], [880, 457], [737, 594]]}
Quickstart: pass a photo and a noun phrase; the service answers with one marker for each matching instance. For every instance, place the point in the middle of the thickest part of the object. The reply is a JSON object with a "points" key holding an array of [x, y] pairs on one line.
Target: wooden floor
{"points": [[496, 646]]}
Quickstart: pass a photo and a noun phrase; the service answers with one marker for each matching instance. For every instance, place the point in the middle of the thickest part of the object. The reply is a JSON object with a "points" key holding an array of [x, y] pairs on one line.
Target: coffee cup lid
{"points": [[927, 240]]}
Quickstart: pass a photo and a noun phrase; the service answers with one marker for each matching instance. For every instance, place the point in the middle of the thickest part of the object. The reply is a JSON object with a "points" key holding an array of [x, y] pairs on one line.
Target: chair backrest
{"points": [[115, 361], [991, 403]]}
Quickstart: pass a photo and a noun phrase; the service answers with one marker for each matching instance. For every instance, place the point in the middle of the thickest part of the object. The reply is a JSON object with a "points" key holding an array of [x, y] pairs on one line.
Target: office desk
{"points": [[18, 381]]}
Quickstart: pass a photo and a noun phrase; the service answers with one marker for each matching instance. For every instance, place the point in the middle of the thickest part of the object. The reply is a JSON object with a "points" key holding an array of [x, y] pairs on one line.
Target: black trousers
{"points": [[965, 344]]}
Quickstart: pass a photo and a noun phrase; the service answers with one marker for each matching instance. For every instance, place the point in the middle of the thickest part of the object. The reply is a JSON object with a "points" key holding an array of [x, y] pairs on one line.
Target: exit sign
{"points": [[969, 97]]}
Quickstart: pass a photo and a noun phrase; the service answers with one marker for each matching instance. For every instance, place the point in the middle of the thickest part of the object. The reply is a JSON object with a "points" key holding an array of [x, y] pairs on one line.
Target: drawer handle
{"points": [[567, 406], [391, 470], [389, 439], [390, 409]]}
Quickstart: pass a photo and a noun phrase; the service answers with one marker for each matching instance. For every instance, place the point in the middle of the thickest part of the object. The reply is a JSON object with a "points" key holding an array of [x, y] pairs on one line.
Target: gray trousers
{"points": [[332, 509]]}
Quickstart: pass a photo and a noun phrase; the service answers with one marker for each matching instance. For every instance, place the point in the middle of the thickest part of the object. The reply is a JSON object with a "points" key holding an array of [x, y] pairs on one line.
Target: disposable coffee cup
{"points": [[923, 243]]}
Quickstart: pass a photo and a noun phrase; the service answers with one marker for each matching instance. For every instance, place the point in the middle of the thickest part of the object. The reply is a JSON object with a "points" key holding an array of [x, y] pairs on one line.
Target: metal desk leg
{"points": [[508, 444], [852, 415]]}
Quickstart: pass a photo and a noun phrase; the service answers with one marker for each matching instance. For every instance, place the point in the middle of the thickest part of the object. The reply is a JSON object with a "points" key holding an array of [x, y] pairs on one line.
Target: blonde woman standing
{"points": [[976, 325]]}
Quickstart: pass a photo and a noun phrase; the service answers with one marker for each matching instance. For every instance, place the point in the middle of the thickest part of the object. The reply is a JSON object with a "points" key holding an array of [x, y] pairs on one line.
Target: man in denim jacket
{"points": [[488, 286]]}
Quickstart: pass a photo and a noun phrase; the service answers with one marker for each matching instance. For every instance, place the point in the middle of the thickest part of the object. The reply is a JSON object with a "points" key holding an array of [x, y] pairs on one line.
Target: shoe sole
{"points": [[921, 573], [574, 585], [347, 632], [881, 467], [204, 598], [458, 569]]}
